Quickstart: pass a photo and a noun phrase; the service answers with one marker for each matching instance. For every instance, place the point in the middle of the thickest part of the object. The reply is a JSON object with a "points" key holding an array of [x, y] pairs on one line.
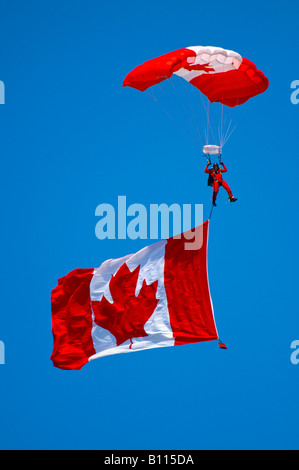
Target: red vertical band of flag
{"points": [[72, 320], [187, 289]]}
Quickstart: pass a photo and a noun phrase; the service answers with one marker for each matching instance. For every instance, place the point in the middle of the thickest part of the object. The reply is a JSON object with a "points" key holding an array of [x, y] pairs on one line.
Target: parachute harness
{"points": [[215, 150]]}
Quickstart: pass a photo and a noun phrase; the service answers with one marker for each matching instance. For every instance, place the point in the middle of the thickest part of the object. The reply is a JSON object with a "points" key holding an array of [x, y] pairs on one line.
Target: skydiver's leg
{"points": [[215, 192], [229, 192], [227, 188]]}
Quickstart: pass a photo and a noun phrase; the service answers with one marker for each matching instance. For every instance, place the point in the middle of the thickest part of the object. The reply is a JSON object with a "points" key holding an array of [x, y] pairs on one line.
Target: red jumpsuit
{"points": [[218, 180]]}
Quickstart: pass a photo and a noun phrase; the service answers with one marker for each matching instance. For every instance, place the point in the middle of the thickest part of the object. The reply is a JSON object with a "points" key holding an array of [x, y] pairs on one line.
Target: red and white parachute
{"points": [[222, 75]]}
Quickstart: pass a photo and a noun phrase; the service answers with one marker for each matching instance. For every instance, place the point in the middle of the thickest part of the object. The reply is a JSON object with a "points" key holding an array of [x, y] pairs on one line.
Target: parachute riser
{"points": [[209, 150]]}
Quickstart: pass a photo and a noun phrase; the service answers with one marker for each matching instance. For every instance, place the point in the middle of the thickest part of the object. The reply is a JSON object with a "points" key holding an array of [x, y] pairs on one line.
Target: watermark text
{"points": [[2, 353], [160, 221], [2, 93], [295, 353], [295, 94]]}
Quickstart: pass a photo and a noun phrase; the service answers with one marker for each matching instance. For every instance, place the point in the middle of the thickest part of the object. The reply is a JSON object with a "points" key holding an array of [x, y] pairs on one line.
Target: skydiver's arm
{"points": [[207, 168], [224, 169]]}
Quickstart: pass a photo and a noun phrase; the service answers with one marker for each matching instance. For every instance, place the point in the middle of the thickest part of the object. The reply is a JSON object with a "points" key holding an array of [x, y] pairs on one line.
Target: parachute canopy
{"points": [[221, 75]]}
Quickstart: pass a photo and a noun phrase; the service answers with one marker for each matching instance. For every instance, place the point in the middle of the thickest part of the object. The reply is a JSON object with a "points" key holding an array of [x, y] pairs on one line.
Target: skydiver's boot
{"points": [[233, 199], [214, 204]]}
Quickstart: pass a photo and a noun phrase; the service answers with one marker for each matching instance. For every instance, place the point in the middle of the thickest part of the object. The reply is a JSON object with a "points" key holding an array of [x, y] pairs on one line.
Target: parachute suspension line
{"points": [[230, 134], [197, 93], [220, 130], [206, 112], [226, 133], [209, 126], [208, 121], [221, 134], [155, 100], [227, 136], [192, 110], [182, 107]]}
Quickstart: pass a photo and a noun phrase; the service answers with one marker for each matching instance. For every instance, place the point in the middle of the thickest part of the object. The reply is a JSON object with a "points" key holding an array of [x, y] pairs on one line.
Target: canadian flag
{"points": [[156, 297]]}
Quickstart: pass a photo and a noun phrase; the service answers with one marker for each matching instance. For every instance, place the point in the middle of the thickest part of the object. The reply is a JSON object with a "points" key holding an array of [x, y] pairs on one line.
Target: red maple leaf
{"points": [[203, 67], [126, 316]]}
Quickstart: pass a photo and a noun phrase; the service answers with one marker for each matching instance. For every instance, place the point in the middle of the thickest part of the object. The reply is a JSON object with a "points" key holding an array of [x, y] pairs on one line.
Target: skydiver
{"points": [[215, 175]]}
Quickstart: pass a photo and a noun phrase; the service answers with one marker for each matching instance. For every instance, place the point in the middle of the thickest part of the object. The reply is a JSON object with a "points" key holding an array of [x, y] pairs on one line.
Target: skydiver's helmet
{"points": [[215, 166]]}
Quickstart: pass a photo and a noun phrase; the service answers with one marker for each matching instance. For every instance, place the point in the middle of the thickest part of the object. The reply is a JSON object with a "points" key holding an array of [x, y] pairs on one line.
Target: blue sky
{"points": [[73, 138]]}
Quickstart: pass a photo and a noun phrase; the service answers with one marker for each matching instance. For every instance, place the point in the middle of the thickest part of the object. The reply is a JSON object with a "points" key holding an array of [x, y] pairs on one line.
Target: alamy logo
{"points": [[295, 94], [135, 221], [295, 353], [2, 353], [2, 93]]}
